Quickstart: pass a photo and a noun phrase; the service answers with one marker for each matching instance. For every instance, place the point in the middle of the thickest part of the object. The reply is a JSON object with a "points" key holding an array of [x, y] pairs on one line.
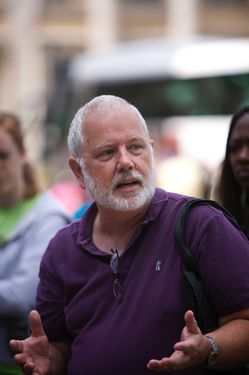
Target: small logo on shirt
{"points": [[158, 265]]}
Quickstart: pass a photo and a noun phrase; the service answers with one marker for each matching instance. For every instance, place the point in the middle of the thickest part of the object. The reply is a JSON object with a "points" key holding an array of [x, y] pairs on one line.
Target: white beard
{"points": [[126, 201]]}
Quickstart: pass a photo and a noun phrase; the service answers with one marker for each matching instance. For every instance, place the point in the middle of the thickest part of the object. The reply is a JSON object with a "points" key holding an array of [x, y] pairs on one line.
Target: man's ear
{"points": [[76, 168]]}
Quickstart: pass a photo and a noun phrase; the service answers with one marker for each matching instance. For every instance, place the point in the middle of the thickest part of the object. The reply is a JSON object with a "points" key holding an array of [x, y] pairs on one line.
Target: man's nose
{"points": [[125, 161]]}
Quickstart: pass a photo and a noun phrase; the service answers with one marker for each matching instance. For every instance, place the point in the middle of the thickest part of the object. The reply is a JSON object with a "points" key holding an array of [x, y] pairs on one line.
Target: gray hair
{"points": [[102, 104]]}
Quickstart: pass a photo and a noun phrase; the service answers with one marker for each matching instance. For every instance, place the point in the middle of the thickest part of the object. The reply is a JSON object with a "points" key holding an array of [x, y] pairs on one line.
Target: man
{"points": [[109, 296]]}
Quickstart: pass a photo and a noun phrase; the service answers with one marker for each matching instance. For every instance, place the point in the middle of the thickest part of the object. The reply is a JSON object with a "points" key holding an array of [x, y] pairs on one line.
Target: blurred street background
{"points": [[183, 63]]}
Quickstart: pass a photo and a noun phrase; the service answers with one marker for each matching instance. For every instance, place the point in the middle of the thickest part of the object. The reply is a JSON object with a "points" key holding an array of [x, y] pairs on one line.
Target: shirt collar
{"points": [[84, 239]]}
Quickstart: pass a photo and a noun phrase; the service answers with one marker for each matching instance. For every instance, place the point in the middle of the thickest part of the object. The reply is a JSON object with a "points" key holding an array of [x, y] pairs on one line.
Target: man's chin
{"points": [[126, 202], [127, 194]]}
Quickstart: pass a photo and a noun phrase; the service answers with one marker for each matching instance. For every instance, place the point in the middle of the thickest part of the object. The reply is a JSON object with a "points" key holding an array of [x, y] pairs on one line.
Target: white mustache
{"points": [[122, 176]]}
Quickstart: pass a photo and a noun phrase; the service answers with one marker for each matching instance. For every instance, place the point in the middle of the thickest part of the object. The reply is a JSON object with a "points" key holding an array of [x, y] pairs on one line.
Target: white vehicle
{"points": [[188, 86], [195, 76]]}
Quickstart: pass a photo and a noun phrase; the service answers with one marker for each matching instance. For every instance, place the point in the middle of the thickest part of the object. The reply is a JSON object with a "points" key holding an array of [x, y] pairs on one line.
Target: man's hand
{"points": [[32, 354], [191, 351]]}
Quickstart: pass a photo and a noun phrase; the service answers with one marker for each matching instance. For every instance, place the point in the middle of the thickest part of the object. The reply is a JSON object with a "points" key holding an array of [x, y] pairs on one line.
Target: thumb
{"points": [[191, 322], [35, 324]]}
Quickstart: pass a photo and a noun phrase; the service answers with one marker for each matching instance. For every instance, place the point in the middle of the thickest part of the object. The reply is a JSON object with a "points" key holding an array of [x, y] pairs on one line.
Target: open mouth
{"points": [[128, 184]]}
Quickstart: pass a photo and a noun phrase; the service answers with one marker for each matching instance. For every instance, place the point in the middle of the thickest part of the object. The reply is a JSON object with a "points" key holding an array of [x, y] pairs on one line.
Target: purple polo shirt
{"points": [[76, 301]]}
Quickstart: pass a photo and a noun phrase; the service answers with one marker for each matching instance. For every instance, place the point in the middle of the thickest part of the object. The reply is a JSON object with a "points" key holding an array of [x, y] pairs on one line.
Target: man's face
{"points": [[119, 167], [239, 151], [11, 170]]}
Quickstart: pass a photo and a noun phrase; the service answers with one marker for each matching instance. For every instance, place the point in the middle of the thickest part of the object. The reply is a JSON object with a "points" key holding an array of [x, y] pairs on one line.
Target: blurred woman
{"points": [[232, 186], [28, 220]]}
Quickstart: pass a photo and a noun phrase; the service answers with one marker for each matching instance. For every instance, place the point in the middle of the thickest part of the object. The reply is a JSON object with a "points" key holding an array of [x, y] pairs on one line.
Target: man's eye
{"points": [[106, 154], [5, 155], [136, 147]]}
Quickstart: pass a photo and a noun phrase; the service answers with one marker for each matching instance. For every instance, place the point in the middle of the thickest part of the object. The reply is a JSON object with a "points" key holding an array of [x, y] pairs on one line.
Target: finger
{"points": [[26, 365], [20, 359], [15, 346], [158, 365], [36, 324], [28, 368], [191, 323]]}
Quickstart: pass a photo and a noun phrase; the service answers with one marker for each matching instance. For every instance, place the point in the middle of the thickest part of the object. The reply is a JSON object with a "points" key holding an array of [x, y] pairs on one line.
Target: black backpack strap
{"points": [[188, 259], [194, 295]]}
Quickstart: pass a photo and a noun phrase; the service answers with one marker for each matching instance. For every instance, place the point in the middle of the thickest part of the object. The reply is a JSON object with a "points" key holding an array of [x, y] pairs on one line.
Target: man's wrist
{"points": [[213, 354]]}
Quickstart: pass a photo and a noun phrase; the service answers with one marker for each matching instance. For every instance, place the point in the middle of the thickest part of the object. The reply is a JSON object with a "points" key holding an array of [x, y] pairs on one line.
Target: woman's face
{"points": [[239, 151], [11, 170]]}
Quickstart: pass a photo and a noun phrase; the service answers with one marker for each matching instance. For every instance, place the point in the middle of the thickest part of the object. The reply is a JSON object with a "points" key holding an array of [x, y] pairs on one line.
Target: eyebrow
{"points": [[102, 147], [111, 144], [137, 139]]}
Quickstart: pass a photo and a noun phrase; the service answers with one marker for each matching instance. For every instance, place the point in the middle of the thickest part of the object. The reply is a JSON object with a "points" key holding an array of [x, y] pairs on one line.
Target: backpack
{"points": [[195, 296]]}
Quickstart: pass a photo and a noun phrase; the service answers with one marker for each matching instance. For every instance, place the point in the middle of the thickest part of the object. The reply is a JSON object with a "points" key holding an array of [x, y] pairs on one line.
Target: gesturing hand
{"points": [[32, 354], [191, 351]]}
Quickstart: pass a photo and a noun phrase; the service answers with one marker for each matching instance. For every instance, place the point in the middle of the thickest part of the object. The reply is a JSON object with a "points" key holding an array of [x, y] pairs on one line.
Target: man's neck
{"points": [[113, 230]]}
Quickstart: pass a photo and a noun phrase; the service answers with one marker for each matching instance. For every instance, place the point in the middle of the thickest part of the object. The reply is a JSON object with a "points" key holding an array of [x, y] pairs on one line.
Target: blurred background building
{"points": [[43, 41]]}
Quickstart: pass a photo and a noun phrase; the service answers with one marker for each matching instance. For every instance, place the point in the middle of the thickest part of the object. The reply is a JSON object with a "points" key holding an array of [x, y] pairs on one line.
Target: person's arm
{"points": [[36, 355], [232, 339], [18, 288]]}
